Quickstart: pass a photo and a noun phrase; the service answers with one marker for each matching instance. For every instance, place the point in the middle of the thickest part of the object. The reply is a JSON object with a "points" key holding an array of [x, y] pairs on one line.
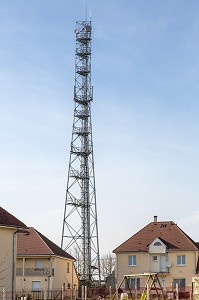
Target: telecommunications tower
{"points": [[80, 228]]}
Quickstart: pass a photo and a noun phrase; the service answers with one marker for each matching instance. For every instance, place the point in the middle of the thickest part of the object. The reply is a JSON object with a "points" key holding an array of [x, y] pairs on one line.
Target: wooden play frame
{"points": [[152, 284]]}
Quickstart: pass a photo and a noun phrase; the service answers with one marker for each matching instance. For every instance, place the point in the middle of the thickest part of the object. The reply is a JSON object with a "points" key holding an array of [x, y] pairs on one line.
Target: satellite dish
{"points": [[168, 264]]}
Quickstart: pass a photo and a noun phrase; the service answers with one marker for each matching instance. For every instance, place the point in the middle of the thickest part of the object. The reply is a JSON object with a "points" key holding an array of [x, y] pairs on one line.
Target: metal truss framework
{"points": [[80, 228]]}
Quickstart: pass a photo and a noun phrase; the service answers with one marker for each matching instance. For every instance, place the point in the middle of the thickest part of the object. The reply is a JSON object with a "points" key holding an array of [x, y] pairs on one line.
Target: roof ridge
{"points": [[170, 222]]}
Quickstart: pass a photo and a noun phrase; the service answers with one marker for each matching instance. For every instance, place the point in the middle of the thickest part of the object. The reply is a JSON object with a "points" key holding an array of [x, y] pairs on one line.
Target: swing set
{"points": [[152, 286]]}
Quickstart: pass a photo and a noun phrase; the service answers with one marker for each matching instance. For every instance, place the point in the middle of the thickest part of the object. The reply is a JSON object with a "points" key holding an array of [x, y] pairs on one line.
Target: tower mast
{"points": [[80, 228]]}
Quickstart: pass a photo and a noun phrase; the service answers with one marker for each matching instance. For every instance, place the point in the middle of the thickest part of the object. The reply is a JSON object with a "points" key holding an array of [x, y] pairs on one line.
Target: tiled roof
{"points": [[197, 244], [35, 243], [6, 219], [173, 237]]}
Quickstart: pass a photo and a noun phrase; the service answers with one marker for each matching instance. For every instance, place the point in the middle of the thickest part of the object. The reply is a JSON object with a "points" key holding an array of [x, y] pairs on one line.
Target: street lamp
{"points": [[14, 253]]}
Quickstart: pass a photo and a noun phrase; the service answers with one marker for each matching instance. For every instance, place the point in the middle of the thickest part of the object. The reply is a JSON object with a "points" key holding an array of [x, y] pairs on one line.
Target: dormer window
{"points": [[157, 244], [163, 225]]}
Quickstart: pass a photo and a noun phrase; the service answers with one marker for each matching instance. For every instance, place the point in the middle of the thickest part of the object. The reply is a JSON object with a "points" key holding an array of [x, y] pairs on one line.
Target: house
{"points": [[42, 265], [29, 261], [9, 226], [159, 247]]}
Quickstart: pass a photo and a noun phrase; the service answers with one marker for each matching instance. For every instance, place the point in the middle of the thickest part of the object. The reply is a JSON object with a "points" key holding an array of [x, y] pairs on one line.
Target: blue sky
{"points": [[145, 71]]}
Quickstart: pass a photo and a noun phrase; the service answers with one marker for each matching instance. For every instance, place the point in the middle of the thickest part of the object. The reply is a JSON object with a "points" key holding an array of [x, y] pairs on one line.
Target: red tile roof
{"points": [[173, 237], [35, 243], [6, 219]]}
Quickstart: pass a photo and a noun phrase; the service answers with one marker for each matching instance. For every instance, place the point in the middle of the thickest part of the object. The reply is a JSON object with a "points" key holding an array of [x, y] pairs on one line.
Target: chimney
{"points": [[155, 219]]}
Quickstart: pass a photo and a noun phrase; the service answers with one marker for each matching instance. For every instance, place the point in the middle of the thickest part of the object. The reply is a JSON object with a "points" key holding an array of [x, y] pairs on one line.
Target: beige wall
{"points": [[49, 281], [122, 267], [187, 271], [25, 282], [6, 257], [145, 263], [65, 273]]}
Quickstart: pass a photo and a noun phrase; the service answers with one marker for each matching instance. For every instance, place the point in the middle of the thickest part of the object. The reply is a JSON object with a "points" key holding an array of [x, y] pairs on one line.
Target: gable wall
{"points": [[6, 256], [157, 249]]}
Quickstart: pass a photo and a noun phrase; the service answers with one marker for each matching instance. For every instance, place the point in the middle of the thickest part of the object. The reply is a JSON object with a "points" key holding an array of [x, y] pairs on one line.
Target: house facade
{"points": [[42, 265], [159, 247], [9, 226]]}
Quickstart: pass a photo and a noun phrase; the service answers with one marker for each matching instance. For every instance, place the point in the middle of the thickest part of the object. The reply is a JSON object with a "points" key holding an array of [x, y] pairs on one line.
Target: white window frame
{"points": [[154, 258], [132, 260], [36, 285], [157, 244], [181, 260], [132, 283], [179, 281]]}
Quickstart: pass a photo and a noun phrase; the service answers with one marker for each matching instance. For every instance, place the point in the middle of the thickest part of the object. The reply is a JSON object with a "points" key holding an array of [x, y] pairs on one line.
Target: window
{"points": [[39, 264], [163, 225], [181, 282], [180, 260], [132, 260], [155, 258], [36, 285], [67, 268], [133, 283], [157, 244]]}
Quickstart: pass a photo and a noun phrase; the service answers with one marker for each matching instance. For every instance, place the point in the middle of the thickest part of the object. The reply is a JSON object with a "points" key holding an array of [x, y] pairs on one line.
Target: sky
{"points": [[145, 75]]}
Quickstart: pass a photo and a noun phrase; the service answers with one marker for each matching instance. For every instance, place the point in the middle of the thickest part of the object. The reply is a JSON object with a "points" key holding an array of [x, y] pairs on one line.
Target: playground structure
{"points": [[195, 286], [152, 287]]}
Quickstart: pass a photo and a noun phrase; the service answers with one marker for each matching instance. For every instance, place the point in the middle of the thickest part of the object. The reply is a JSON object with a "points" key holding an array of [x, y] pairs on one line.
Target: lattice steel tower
{"points": [[80, 228]]}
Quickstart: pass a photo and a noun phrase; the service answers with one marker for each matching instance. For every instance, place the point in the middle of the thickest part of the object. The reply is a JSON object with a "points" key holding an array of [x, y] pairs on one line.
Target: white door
{"points": [[163, 267]]}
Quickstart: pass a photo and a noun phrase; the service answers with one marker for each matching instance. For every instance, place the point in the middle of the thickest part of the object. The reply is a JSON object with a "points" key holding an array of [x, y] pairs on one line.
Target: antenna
{"points": [[86, 12], [80, 224]]}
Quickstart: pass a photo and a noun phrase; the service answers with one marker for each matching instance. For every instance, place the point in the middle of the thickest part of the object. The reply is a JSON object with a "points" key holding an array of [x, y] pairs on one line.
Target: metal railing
{"points": [[35, 272]]}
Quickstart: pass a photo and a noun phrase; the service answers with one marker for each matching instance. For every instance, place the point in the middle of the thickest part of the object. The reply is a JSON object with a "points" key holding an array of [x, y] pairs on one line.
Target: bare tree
{"points": [[107, 265], [76, 253], [4, 269]]}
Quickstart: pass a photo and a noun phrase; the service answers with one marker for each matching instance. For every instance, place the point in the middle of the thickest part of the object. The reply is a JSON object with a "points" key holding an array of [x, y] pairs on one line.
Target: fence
{"points": [[98, 293]]}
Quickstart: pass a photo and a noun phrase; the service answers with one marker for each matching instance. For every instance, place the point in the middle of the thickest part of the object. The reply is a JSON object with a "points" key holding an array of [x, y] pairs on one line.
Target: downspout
{"points": [[14, 263], [14, 255]]}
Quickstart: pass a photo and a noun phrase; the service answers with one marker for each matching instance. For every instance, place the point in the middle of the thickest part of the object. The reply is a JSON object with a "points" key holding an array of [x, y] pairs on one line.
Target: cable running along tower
{"points": [[80, 229]]}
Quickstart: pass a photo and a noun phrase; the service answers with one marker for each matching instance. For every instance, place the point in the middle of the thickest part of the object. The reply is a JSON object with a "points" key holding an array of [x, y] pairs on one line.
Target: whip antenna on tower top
{"points": [[80, 228], [86, 12]]}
